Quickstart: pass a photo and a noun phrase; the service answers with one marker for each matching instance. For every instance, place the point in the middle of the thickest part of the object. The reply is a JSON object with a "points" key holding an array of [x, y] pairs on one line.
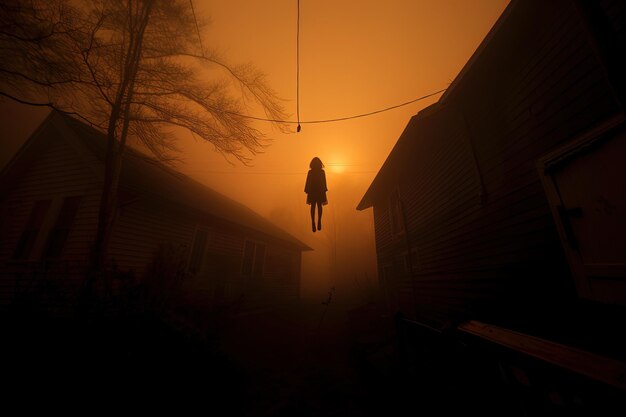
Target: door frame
{"points": [[547, 165]]}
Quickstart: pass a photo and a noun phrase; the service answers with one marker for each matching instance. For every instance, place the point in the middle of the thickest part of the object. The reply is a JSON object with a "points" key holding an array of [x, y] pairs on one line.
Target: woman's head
{"points": [[316, 163]]}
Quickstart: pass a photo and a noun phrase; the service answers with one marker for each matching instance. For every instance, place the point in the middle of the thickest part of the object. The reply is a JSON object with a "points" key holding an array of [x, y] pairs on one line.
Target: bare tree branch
{"points": [[130, 69]]}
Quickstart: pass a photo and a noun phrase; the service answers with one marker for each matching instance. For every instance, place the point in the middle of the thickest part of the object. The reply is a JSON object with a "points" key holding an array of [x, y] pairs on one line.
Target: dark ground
{"points": [[302, 360], [282, 362]]}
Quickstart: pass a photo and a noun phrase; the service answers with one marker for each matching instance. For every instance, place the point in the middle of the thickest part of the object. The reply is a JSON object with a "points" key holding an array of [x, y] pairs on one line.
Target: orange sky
{"points": [[356, 57]]}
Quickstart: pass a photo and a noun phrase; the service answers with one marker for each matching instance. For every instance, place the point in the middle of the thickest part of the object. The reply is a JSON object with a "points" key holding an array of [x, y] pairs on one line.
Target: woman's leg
{"points": [[313, 215], [319, 215]]}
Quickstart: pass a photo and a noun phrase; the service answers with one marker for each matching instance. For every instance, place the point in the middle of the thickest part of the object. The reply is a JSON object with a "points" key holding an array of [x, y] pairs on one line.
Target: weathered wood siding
{"points": [[141, 227], [53, 170], [479, 227], [144, 225], [282, 273], [54, 167], [221, 278], [382, 238], [221, 272]]}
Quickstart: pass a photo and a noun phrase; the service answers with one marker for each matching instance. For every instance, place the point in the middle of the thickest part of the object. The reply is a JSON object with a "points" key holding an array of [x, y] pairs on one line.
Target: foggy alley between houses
{"points": [[164, 167]]}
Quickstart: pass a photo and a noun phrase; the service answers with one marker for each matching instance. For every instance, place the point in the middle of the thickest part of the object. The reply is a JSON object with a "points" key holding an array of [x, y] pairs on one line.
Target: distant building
{"points": [[505, 201], [50, 195]]}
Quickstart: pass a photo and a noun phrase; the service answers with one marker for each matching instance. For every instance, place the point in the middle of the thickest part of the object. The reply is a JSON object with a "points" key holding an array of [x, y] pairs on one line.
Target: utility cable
{"points": [[298, 121], [338, 119], [298, 70]]}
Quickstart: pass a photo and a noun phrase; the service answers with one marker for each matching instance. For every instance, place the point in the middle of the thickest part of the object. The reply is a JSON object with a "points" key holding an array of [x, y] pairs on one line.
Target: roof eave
{"points": [[367, 200], [458, 80]]}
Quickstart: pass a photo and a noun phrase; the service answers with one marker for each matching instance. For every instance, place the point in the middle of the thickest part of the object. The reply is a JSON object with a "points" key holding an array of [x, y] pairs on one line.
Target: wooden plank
{"points": [[596, 367]]}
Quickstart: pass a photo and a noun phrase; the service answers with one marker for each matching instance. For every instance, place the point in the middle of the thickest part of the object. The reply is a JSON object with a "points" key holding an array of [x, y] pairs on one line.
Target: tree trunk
{"points": [[114, 153], [108, 203]]}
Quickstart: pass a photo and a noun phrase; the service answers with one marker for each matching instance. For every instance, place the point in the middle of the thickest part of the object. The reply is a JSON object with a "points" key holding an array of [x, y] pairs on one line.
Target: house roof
{"points": [[143, 175], [454, 87], [398, 156], [393, 163]]}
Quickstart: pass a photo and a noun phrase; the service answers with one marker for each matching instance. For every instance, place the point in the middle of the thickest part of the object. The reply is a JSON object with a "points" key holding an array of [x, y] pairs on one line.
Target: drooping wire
{"points": [[339, 119], [298, 121], [298, 70]]}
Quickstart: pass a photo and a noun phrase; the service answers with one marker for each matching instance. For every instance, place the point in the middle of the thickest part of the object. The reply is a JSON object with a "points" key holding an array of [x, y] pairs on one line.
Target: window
{"points": [[253, 259], [197, 250], [28, 238], [395, 214], [61, 230]]}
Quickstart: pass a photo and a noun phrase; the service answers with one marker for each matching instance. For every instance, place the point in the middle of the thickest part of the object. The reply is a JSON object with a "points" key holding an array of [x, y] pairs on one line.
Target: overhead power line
{"points": [[339, 119], [298, 121], [298, 70], [203, 171]]}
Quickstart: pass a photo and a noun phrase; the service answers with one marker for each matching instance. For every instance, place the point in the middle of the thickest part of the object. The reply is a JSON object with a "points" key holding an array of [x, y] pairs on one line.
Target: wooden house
{"points": [[504, 202], [165, 221]]}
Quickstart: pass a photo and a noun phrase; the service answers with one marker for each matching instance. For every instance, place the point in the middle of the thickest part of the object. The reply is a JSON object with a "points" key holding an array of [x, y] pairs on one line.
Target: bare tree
{"points": [[37, 52], [132, 69]]}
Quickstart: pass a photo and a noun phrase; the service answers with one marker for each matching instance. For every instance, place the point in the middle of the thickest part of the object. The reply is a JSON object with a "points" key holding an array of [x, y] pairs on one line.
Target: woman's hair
{"points": [[316, 163]]}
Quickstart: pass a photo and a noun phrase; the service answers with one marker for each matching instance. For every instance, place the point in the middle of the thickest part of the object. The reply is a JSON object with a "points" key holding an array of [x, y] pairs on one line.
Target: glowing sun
{"points": [[336, 167]]}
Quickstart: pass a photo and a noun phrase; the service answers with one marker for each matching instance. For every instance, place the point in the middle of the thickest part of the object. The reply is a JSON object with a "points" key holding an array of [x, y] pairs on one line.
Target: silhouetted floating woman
{"points": [[315, 188]]}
